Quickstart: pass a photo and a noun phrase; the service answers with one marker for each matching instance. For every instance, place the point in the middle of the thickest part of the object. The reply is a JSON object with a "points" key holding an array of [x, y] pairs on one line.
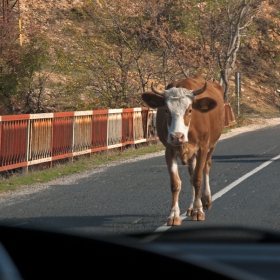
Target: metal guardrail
{"points": [[32, 139]]}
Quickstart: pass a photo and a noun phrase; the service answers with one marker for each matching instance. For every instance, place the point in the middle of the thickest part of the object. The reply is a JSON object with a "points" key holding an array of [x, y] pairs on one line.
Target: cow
{"points": [[189, 122]]}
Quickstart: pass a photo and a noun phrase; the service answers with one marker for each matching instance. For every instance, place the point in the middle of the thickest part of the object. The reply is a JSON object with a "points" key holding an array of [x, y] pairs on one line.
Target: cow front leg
{"points": [[175, 184]]}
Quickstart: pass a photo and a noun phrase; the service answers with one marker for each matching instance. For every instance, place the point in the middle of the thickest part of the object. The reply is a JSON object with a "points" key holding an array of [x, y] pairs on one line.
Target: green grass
{"points": [[225, 130], [14, 180]]}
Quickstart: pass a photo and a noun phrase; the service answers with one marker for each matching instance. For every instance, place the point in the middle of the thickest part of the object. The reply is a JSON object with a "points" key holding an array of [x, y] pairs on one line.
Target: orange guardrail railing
{"points": [[31, 139]]}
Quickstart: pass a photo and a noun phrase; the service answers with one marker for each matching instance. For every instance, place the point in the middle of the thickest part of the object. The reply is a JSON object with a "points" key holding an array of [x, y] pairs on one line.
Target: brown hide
{"points": [[205, 128]]}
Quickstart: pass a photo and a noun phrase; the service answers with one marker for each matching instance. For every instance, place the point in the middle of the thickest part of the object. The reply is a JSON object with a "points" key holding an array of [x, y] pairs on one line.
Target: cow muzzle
{"points": [[177, 138]]}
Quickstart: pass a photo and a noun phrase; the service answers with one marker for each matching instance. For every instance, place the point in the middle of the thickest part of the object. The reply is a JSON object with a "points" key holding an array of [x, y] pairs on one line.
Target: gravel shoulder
{"points": [[261, 123]]}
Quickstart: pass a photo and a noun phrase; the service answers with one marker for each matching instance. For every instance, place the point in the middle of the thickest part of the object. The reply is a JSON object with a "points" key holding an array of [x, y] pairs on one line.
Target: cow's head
{"points": [[178, 103]]}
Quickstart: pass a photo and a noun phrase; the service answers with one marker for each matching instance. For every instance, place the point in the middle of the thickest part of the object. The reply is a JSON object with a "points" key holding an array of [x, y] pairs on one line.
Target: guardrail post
{"points": [[25, 169], [238, 89]]}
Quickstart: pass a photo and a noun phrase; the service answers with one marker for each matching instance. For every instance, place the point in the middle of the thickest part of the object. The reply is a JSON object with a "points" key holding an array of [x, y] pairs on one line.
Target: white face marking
{"points": [[177, 101]]}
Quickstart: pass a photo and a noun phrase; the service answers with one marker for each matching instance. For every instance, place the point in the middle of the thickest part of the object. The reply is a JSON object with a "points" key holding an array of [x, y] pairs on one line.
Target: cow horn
{"points": [[199, 91], [159, 92]]}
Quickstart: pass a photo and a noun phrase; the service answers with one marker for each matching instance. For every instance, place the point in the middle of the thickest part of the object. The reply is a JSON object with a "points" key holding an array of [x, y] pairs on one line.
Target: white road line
{"points": [[226, 189], [235, 183]]}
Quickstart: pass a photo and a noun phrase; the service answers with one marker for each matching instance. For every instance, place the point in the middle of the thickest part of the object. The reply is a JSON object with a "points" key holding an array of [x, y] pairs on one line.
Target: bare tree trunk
{"points": [[238, 15], [224, 83]]}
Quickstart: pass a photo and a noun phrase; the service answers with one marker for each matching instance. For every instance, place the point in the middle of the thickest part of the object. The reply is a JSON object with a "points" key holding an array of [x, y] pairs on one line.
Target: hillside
{"points": [[258, 59]]}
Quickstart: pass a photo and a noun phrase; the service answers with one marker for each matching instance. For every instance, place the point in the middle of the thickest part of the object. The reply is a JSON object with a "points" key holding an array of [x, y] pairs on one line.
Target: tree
{"points": [[9, 51], [33, 73], [21, 78], [111, 62], [167, 27], [124, 46], [224, 24]]}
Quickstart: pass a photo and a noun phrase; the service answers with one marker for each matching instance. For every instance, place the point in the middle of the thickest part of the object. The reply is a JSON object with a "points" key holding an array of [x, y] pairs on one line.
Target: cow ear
{"points": [[204, 105], [153, 100]]}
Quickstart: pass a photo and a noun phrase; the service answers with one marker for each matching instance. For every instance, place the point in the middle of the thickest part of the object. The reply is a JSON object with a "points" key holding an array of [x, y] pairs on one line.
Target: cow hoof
{"points": [[175, 221], [189, 212], [206, 202], [198, 216]]}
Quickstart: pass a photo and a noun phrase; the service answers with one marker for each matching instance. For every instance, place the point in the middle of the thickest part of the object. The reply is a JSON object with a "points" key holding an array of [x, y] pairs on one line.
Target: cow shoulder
{"points": [[216, 88], [192, 83], [173, 84]]}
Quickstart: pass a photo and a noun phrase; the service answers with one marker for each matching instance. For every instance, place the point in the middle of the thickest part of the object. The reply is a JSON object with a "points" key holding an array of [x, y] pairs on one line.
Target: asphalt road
{"points": [[135, 196]]}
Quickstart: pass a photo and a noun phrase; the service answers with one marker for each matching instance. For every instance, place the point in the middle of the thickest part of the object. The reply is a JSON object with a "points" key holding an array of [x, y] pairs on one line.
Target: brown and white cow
{"points": [[189, 122]]}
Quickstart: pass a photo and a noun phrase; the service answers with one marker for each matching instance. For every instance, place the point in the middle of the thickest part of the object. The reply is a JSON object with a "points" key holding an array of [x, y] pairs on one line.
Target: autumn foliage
{"points": [[111, 51]]}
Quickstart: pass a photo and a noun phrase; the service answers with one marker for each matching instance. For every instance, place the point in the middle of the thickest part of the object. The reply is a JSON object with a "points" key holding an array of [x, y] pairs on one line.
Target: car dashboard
{"points": [[221, 253]]}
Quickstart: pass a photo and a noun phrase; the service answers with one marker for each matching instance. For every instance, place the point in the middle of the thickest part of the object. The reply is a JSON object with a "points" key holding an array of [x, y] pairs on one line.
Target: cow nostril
{"points": [[177, 137]]}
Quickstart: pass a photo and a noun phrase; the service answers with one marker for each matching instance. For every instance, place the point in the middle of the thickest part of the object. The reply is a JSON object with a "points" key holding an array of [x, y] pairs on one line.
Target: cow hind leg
{"points": [[198, 214], [206, 193], [206, 196], [191, 167], [197, 180]]}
